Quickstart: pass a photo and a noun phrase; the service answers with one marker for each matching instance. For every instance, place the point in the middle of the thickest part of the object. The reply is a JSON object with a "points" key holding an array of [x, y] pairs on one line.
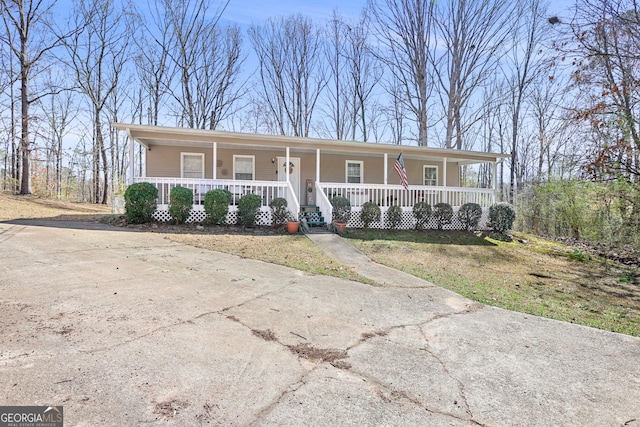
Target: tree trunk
{"points": [[25, 187]]}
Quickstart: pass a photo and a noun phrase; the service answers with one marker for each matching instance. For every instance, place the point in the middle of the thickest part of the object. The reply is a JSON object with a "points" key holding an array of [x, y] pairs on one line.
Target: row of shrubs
{"points": [[501, 215], [140, 204]]}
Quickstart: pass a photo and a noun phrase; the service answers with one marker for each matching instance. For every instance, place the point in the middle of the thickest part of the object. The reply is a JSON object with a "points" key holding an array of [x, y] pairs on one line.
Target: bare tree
{"points": [[365, 73], [465, 50], [58, 114], [291, 70], [152, 61], [30, 39], [206, 59], [98, 55], [404, 29], [352, 74], [338, 91], [522, 66]]}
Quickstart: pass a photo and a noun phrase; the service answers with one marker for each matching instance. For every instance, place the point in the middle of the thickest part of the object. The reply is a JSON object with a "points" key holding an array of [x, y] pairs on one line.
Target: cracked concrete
{"points": [[126, 328]]}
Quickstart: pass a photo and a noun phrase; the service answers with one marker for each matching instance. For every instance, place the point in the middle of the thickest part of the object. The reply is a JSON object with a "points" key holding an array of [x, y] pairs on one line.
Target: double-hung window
{"points": [[431, 175], [244, 167], [354, 169], [192, 165]]}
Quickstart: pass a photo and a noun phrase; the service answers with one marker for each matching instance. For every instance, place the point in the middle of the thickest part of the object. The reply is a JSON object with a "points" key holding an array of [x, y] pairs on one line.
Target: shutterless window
{"points": [[354, 172], [192, 165], [431, 175], [243, 167]]}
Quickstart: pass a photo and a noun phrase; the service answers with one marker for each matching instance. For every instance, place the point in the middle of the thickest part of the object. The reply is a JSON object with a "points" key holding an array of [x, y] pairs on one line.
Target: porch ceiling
{"points": [[150, 136]]}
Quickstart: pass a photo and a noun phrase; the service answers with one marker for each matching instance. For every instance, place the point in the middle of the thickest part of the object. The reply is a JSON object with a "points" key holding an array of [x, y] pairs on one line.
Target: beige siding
{"points": [[164, 161]]}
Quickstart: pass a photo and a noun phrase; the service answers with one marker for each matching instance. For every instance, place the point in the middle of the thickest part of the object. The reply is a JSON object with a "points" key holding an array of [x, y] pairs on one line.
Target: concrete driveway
{"points": [[126, 328]]}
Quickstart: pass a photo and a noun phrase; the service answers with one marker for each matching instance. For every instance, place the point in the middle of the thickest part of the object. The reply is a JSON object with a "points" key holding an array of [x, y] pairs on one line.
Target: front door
{"points": [[293, 171]]}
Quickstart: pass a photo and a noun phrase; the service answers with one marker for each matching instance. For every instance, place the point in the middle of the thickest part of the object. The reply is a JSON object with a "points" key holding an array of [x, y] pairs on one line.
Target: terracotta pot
{"points": [[293, 226], [340, 226]]}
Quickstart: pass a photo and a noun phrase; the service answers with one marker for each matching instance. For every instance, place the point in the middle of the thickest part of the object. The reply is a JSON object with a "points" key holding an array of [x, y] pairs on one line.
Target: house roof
{"points": [[150, 136]]}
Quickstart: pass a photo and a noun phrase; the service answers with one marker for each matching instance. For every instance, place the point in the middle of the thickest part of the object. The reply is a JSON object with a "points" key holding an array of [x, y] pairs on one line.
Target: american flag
{"points": [[399, 167]]}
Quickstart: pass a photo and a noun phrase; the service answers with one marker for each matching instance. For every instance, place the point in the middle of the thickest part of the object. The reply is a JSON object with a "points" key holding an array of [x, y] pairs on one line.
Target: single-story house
{"points": [[307, 172]]}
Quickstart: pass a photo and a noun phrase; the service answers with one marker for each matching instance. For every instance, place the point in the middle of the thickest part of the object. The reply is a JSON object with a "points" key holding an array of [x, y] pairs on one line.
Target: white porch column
{"points": [[494, 180], [317, 165], [215, 160], [286, 166], [386, 163], [132, 161], [444, 180], [444, 172]]}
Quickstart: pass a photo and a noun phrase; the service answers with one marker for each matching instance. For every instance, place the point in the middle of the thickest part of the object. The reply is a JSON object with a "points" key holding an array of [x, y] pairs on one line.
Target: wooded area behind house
{"points": [[560, 93]]}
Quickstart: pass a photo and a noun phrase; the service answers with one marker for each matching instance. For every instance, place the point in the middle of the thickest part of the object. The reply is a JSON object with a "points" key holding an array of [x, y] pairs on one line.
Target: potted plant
{"points": [[341, 212], [293, 224]]}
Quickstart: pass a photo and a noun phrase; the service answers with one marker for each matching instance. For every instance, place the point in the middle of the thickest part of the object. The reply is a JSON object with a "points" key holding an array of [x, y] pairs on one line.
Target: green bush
{"points": [[422, 213], [469, 215], [140, 202], [370, 213], [393, 216], [248, 208], [341, 209], [216, 206], [180, 204], [501, 217], [279, 211], [443, 214]]}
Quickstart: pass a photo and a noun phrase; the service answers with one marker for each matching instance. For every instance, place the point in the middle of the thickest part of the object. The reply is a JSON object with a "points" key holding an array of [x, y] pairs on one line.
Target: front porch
{"points": [[319, 194], [307, 172]]}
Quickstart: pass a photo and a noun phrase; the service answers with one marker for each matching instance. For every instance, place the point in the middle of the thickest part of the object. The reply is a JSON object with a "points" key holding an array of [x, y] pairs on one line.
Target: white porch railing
{"points": [[358, 194], [387, 195], [268, 190]]}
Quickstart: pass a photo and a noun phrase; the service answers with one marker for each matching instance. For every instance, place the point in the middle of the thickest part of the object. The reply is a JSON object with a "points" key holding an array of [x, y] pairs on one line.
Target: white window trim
{"points": [[424, 167], [346, 170], [253, 164], [182, 154]]}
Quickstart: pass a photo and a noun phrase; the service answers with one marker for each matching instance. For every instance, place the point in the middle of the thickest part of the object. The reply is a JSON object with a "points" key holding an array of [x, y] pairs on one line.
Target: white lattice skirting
{"points": [[408, 222]]}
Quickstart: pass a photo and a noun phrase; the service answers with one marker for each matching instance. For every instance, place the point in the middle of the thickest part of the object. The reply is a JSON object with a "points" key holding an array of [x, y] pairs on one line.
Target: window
{"points": [[354, 172], [192, 165], [431, 175], [243, 167]]}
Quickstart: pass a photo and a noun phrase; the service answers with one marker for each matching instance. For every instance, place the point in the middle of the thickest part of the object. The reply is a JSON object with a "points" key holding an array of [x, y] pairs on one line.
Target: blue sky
{"points": [[246, 12]]}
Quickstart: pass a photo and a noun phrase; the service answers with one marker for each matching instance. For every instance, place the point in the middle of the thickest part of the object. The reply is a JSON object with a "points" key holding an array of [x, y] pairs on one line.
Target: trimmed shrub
{"points": [[501, 217], [443, 214], [393, 216], [180, 204], [370, 213], [216, 205], [279, 211], [140, 202], [248, 208], [422, 213], [469, 215], [341, 209]]}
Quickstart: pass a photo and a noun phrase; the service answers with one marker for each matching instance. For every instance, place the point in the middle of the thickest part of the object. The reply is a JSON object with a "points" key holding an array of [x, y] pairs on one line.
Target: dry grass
{"points": [[294, 251], [30, 207], [529, 275]]}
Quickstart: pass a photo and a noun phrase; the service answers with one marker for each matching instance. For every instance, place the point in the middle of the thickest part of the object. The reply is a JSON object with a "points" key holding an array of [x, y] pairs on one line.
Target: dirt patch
{"points": [[267, 335], [307, 351], [170, 408]]}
